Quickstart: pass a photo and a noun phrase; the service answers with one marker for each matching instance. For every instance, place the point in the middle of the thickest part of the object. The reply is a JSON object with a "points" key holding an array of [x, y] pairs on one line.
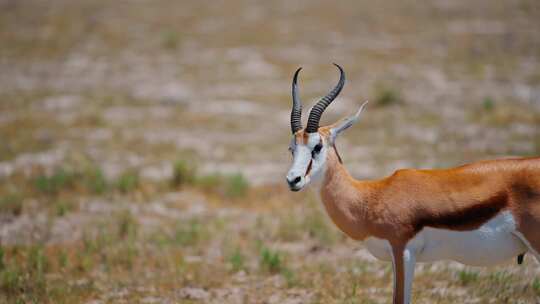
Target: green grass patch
{"points": [[127, 182], [500, 278], [25, 280], [2, 257], [237, 260], [11, 204], [488, 104], [170, 39], [466, 277], [232, 186], [189, 233], [536, 286], [62, 207], [235, 185], [90, 180], [127, 226], [95, 180], [227, 185], [53, 184], [271, 261], [387, 96], [184, 173]]}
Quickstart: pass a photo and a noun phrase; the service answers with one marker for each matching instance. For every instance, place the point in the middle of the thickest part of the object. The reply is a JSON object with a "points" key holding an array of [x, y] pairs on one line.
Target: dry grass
{"points": [[143, 145]]}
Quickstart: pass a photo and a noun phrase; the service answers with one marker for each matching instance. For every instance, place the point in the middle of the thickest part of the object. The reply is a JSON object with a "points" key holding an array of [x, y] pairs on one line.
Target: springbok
{"points": [[478, 214]]}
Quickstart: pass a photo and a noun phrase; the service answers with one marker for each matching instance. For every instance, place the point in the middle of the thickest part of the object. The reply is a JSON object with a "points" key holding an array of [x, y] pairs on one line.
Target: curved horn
{"points": [[318, 109], [296, 112]]}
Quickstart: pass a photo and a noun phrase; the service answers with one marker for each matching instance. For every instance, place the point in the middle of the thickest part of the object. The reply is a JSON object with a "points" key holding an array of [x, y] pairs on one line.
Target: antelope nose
{"points": [[294, 181]]}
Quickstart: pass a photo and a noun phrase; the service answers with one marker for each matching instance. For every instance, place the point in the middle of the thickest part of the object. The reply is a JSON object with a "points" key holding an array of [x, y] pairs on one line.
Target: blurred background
{"points": [[143, 144]]}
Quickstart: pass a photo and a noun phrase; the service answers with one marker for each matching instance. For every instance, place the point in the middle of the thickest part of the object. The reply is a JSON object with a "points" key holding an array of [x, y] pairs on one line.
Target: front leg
{"points": [[409, 259], [403, 260]]}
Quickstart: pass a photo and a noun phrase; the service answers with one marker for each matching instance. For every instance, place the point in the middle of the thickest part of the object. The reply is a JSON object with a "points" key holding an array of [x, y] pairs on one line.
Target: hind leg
{"points": [[526, 196], [527, 215], [531, 248]]}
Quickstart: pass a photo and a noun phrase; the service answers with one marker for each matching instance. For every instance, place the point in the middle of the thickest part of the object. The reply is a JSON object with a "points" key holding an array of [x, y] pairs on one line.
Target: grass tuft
{"points": [[467, 277], [170, 40], [62, 207], [2, 262], [11, 281], [127, 182], [11, 204], [271, 261], [536, 286], [237, 260], [189, 233], [387, 96], [488, 104], [95, 180], [236, 185], [53, 184], [228, 185], [183, 174], [127, 226]]}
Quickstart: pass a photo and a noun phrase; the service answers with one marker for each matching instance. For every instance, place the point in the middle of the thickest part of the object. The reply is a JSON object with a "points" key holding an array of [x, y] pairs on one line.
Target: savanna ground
{"points": [[143, 144]]}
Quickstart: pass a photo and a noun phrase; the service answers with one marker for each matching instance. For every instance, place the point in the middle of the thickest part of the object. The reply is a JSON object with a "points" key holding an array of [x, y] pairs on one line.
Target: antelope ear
{"points": [[345, 123]]}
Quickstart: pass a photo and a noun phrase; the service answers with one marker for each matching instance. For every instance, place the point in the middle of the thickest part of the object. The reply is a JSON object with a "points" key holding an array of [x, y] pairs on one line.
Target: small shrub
{"points": [[95, 180], [183, 174], [271, 261], [127, 226], [209, 182], [89, 244], [11, 281], [127, 182], [536, 286], [228, 185], [11, 204], [488, 104], [466, 277], [289, 276], [236, 185], [386, 96], [62, 207], [37, 261], [170, 39], [2, 262], [237, 260], [125, 256], [53, 184], [188, 234], [84, 262], [63, 259]]}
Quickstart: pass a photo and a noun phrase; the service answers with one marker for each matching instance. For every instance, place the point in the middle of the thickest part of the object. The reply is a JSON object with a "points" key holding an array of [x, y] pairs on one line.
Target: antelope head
{"points": [[309, 146]]}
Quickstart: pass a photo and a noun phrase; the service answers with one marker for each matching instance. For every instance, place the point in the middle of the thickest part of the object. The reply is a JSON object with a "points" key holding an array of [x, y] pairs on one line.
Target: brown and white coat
{"points": [[477, 214]]}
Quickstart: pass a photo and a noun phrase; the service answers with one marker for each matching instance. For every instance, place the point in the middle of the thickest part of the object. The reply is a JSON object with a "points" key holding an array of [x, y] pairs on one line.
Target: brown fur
{"points": [[397, 207], [463, 198]]}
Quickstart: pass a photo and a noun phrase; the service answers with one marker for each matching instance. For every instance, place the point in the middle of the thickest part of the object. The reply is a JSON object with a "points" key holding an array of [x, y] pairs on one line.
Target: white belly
{"points": [[492, 243]]}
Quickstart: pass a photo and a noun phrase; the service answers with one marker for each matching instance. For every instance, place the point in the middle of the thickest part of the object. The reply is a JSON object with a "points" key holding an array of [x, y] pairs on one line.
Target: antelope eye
{"points": [[316, 150]]}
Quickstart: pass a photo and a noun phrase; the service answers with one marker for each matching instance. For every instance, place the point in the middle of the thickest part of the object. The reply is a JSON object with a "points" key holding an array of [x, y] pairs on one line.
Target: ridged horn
{"points": [[318, 109], [296, 112]]}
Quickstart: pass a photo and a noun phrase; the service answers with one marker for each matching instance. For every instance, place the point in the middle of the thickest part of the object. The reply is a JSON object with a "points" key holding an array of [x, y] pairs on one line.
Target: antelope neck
{"points": [[344, 198]]}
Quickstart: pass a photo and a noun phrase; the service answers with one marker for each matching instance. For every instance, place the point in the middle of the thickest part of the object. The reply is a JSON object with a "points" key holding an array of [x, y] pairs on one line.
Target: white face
{"points": [[308, 161]]}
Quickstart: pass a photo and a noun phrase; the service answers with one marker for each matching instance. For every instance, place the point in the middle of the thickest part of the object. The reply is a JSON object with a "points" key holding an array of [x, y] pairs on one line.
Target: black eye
{"points": [[316, 150]]}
